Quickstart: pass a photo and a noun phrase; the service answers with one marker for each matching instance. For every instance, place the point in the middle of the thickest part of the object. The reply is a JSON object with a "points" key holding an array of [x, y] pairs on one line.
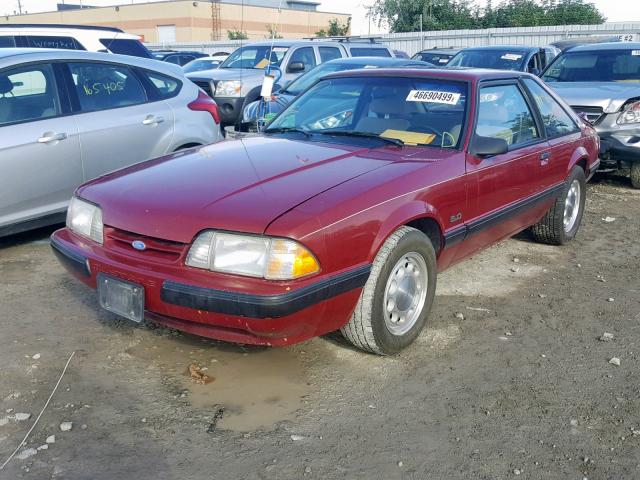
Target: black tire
{"points": [[635, 174], [551, 228], [367, 328]]}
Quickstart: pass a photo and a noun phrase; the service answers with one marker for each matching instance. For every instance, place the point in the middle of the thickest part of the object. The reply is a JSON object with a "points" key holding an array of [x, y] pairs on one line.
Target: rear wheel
{"points": [[398, 295], [635, 174], [562, 222]]}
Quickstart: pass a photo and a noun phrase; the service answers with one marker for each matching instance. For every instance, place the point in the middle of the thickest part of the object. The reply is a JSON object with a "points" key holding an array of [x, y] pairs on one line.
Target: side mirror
{"points": [[535, 71], [295, 67], [488, 146]]}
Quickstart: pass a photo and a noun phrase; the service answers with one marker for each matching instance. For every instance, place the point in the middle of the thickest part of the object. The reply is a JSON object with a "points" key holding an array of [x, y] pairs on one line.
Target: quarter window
{"points": [[504, 113], [27, 94], [102, 86], [166, 87], [557, 121], [329, 53]]}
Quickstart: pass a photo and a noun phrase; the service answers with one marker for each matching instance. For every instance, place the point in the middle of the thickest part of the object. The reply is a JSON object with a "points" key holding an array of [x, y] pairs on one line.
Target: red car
{"points": [[341, 215]]}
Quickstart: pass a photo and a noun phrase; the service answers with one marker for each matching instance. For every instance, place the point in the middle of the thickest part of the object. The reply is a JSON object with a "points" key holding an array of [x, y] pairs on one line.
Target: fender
{"points": [[579, 154], [404, 214]]}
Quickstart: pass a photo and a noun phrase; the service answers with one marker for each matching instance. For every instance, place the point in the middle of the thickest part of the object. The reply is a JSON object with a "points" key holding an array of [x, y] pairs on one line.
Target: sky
{"points": [[614, 10]]}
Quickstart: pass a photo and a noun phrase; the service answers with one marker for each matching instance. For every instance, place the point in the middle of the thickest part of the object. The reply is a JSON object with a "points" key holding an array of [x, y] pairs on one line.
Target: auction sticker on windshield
{"points": [[433, 96], [511, 56]]}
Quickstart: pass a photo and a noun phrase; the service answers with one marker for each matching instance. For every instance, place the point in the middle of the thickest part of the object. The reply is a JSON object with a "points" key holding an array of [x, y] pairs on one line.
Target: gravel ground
{"points": [[510, 378]]}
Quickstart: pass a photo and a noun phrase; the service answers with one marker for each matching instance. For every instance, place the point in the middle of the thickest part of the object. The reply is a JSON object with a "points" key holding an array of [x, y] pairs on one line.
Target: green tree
{"points": [[272, 32], [237, 35], [335, 29], [404, 15]]}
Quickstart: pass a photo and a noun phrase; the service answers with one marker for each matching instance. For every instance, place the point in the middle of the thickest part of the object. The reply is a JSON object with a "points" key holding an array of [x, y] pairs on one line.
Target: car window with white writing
{"points": [[101, 86]]}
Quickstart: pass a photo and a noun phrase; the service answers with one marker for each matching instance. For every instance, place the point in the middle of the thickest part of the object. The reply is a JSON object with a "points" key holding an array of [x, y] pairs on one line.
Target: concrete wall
{"points": [[193, 20]]}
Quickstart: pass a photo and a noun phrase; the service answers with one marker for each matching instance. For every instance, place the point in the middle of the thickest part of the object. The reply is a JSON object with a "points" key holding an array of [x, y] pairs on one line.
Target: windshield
{"points": [[415, 111], [303, 82], [199, 65], [494, 59], [254, 56], [433, 58], [595, 66]]}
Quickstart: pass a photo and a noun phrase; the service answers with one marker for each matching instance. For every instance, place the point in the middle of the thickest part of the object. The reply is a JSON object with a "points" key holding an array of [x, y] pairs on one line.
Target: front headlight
{"points": [[228, 88], [251, 255], [631, 114], [85, 219]]}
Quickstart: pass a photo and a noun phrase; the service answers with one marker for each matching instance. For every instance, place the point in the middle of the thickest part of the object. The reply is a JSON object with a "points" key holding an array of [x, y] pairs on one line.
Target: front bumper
{"points": [[298, 311], [619, 144]]}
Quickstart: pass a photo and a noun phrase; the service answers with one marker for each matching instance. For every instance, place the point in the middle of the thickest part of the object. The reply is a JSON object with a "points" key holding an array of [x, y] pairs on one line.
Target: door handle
{"points": [[544, 158], [152, 120], [49, 137]]}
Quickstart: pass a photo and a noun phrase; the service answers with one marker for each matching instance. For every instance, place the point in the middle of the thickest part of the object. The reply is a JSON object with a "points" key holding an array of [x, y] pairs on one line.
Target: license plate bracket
{"points": [[123, 298]]}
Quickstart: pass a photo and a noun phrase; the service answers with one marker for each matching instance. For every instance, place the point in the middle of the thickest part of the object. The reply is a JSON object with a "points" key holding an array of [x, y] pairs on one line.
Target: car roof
{"points": [[47, 26], [606, 46], [448, 51], [376, 61], [504, 47], [293, 43], [23, 55], [460, 74]]}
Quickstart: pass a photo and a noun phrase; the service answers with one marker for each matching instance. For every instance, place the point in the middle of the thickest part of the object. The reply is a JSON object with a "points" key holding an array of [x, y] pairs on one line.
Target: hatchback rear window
{"points": [[123, 46], [369, 52]]}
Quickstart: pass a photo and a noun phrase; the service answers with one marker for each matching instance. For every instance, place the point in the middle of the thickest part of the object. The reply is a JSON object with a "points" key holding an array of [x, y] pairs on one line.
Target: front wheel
{"points": [[398, 295], [562, 222], [635, 174]]}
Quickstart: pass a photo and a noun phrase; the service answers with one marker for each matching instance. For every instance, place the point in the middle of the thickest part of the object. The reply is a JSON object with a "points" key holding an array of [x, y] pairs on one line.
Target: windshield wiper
{"points": [[288, 130], [348, 133]]}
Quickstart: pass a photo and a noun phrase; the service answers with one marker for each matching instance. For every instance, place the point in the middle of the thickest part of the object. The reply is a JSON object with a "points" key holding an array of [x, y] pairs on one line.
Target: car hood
{"points": [[251, 76], [610, 96], [239, 185]]}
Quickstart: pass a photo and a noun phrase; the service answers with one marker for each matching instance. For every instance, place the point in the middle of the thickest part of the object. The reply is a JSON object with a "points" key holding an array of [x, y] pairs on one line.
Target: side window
{"points": [[534, 63], [504, 113], [42, 41], [557, 121], [7, 42], [27, 94], [166, 87], [329, 53], [173, 59], [369, 52], [304, 55], [101, 86]]}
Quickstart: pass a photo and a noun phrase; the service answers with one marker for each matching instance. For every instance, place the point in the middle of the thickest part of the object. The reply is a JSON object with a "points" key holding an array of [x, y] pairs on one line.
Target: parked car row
{"points": [[69, 116]]}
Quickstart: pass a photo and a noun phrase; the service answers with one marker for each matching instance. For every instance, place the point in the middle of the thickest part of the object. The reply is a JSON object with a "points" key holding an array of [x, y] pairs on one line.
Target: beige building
{"points": [[196, 21]]}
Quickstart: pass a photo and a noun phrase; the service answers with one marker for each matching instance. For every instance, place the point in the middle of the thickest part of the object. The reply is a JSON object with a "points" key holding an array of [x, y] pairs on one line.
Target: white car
{"points": [[72, 37], [67, 117], [204, 63]]}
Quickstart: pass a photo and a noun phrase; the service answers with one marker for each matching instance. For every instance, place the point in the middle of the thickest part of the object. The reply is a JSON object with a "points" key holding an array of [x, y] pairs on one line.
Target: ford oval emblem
{"points": [[139, 245]]}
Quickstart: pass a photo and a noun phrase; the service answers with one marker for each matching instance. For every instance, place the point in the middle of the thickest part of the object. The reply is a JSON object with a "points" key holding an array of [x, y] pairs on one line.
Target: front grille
{"points": [[206, 86], [158, 249], [592, 114]]}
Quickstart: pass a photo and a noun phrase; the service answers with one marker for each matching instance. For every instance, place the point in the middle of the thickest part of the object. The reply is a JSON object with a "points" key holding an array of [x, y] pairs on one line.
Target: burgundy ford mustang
{"points": [[341, 215]]}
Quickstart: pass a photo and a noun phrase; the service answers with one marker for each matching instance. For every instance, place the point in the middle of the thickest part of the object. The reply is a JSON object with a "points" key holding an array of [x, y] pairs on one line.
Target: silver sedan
{"points": [[69, 116]]}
